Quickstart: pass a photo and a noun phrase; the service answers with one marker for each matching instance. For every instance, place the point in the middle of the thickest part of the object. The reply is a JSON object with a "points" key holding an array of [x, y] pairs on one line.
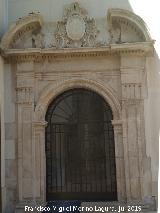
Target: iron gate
{"points": [[80, 152]]}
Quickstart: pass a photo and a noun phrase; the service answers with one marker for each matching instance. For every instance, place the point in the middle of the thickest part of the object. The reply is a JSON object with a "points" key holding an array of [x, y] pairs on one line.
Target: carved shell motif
{"points": [[76, 29]]}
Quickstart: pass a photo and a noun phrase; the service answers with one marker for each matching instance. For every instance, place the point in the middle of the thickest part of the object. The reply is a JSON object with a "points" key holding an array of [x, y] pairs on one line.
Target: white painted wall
{"points": [[3, 16], [2, 131], [52, 10]]}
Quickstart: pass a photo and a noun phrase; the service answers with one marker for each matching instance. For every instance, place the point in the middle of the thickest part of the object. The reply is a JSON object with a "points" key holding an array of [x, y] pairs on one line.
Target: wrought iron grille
{"points": [[80, 151]]}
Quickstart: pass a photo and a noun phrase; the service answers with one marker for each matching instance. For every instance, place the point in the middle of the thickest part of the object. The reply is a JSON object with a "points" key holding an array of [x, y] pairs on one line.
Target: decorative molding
{"points": [[40, 123], [116, 122], [52, 90], [126, 103], [76, 29], [24, 95], [38, 55], [132, 91], [120, 16], [117, 125], [39, 114], [26, 24]]}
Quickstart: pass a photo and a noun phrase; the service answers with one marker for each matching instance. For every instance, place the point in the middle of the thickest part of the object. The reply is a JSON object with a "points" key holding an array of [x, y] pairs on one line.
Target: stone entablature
{"points": [[115, 70], [38, 54]]}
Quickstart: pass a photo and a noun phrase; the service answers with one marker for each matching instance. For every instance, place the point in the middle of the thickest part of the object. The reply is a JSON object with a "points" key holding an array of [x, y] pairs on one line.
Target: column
{"points": [[39, 161]]}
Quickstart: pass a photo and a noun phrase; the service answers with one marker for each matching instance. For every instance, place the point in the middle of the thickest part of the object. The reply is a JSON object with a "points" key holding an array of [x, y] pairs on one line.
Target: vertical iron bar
{"points": [[99, 172]]}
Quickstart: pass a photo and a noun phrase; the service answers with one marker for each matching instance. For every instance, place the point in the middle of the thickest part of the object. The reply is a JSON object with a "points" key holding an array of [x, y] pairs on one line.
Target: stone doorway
{"points": [[114, 67], [80, 149]]}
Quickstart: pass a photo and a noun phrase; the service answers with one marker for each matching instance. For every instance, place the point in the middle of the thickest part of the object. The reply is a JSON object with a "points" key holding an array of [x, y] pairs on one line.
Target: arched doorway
{"points": [[80, 152]]}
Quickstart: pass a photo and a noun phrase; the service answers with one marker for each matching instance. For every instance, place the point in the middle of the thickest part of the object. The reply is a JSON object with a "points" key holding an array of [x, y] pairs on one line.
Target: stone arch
{"points": [[52, 91], [79, 128], [18, 29], [130, 19]]}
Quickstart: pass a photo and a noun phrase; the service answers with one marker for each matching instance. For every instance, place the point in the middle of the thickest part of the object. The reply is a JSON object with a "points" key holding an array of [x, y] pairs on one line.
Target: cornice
{"points": [[37, 54]]}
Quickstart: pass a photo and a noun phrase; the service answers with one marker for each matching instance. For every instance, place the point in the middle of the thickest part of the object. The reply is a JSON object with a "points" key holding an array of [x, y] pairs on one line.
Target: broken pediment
{"points": [[21, 30], [76, 30], [126, 27]]}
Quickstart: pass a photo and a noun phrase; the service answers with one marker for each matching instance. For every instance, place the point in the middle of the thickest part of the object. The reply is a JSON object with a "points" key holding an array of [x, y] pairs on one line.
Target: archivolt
{"points": [[52, 91]]}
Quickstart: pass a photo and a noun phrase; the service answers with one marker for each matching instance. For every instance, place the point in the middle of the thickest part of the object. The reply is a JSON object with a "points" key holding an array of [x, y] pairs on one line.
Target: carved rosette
{"points": [[76, 29]]}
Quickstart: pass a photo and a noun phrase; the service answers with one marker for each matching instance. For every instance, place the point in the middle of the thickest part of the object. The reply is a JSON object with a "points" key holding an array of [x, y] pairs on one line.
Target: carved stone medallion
{"points": [[76, 29]]}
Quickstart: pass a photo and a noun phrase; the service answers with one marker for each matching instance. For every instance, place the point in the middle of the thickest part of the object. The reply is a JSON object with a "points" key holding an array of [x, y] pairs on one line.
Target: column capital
{"points": [[117, 125], [40, 123]]}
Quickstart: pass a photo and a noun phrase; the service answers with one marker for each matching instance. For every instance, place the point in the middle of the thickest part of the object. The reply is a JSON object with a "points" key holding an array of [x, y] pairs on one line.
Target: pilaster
{"points": [[25, 109], [133, 87], [39, 178]]}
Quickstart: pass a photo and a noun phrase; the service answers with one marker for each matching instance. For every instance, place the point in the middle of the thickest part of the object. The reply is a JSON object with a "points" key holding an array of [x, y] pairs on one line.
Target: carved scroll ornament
{"points": [[76, 29]]}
